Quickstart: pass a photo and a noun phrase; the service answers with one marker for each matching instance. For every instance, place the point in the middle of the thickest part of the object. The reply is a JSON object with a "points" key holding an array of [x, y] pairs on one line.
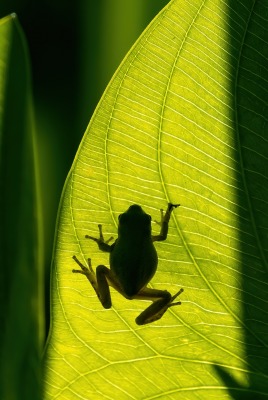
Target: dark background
{"points": [[75, 47]]}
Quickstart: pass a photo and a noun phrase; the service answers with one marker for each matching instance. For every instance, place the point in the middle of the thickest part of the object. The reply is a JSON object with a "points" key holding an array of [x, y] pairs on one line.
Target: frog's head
{"points": [[134, 222]]}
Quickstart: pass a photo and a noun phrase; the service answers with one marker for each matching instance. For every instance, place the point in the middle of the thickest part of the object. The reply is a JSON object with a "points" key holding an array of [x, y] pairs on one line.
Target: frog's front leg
{"points": [[162, 300], [164, 223], [99, 281], [103, 245]]}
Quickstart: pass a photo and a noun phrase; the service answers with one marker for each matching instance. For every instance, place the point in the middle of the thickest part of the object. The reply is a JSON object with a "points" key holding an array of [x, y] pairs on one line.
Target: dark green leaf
{"points": [[21, 308]]}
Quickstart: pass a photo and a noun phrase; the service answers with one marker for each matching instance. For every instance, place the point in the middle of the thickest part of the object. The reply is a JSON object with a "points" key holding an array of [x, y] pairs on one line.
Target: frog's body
{"points": [[133, 259], [133, 263]]}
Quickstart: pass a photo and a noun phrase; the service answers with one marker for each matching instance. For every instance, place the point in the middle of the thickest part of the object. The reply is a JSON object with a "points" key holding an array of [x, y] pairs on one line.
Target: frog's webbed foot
{"points": [[178, 303], [103, 244], [167, 214], [88, 272], [98, 281], [156, 310]]}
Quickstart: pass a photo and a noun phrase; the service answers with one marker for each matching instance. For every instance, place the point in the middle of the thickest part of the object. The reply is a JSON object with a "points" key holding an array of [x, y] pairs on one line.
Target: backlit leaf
{"points": [[183, 120]]}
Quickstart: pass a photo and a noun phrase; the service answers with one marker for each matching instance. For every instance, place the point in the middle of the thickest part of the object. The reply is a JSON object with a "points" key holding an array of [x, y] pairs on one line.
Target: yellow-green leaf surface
{"points": [[183, 120]]}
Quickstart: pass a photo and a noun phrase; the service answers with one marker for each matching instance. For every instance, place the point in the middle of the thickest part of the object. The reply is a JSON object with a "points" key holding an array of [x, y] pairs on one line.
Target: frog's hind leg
{"points": [[99, 281], [162, 300]]}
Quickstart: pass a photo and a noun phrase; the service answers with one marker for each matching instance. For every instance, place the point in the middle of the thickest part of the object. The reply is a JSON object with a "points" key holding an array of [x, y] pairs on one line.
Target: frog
{"points": [[133, 263]]}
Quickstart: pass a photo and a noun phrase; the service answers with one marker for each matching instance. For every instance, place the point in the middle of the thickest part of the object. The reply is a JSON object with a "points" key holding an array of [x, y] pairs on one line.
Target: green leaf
{"points": [[183, 120], [21, 308]]}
